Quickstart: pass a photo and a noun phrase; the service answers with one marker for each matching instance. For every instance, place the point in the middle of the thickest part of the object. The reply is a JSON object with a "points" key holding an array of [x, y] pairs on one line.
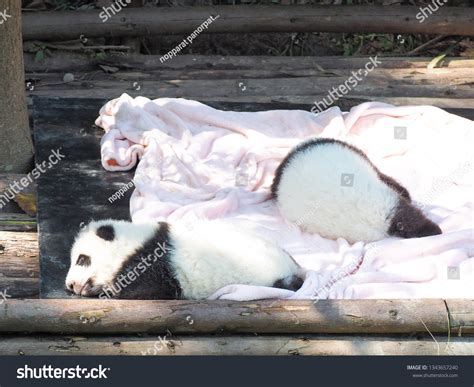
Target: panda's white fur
{"points": [[201, 258], [331, 188], [213, 254]]}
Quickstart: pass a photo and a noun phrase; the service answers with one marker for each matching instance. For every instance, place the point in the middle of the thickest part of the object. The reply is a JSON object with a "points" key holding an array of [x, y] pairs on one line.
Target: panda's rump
{"points": [[214, 255]]}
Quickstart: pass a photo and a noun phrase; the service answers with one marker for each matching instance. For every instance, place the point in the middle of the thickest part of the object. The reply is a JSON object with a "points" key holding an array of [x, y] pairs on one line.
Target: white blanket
{"points": [[196, 162]]}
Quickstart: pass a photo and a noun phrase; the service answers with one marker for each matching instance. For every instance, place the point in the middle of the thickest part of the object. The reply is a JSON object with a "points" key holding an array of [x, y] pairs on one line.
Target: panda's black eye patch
{"points": [[83, 260], [106, 232]]}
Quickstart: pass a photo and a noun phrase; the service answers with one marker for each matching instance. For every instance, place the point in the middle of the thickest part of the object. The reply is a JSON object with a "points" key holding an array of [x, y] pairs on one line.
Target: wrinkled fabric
{"points": [[197, 162]]}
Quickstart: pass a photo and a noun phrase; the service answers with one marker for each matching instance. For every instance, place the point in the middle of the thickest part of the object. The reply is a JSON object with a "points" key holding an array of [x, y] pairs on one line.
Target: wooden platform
{"points": [[329, 327], [259, 83]]}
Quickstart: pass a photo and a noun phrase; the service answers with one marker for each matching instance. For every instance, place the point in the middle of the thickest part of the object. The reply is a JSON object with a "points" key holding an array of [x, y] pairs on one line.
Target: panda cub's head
{"points": [[99, 253]]}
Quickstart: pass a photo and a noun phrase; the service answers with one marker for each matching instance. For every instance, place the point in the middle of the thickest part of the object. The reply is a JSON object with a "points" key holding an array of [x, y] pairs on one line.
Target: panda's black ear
{"points": [[106, 232]]}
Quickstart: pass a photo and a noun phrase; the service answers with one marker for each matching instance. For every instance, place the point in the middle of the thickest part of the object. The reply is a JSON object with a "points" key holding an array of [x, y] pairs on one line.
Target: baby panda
{"points": [[331, 188], [120, 259]]}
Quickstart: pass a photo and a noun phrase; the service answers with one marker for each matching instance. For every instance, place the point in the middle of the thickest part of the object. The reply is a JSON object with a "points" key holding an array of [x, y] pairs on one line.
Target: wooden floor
{"points": [[283, 82], [398, 327], [76, 190]]}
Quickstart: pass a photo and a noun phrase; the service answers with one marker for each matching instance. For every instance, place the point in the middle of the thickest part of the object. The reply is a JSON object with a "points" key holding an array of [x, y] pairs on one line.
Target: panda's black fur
{"points": [[158, 281], [172, 262]]}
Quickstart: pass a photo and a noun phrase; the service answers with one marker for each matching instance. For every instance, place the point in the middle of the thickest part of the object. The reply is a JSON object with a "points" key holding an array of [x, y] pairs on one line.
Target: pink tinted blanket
{"points": [[196, 162]]}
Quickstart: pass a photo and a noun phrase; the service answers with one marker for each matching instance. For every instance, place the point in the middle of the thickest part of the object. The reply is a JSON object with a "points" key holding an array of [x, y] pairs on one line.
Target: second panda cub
{"points": [[331, 188], [119, 259]]}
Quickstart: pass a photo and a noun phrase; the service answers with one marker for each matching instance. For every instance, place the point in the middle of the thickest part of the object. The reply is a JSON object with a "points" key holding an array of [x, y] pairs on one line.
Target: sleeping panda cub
{"points": [[331, 188], [119, 259]]}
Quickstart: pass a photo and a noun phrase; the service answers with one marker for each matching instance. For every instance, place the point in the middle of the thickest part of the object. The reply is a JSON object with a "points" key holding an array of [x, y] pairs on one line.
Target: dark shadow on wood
{"points": [[76, 189]]}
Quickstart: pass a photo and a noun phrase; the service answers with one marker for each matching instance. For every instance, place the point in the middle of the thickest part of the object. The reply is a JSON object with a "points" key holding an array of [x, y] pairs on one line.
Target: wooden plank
{"points": [[414, 84], [279, 316], [273, 90], [20, 287], [19, 264], [255, 18], [215, 62], [460, 106], [286, 345], [78, 62], [317, 87], [445, 76], [17, 222], [76, 190], [19, 254]]}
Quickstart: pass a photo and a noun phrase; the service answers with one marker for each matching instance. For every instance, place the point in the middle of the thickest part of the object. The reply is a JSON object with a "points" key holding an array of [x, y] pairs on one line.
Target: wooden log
{"points": [[203, 62], [17, 222], [19, 264], [19, 254], [80, 316], [210, 79], [441, 76], [460, 313], [255, 18], [318, 88], [170, 345], [78, 62]]}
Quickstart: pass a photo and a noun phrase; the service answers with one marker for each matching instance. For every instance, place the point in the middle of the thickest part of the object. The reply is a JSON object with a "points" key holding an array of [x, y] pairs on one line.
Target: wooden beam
{"points": [[18, 254], [170, 345], [80, 316], [19, 264], [460, 316], [82, 62], [271, 82], [255, 18], [443, 76], [17, 222], [316, 88]]}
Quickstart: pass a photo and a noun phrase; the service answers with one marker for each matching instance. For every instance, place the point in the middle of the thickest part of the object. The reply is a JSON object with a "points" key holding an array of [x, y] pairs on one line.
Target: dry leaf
{"points": [[27, 202], [436, 61]]}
